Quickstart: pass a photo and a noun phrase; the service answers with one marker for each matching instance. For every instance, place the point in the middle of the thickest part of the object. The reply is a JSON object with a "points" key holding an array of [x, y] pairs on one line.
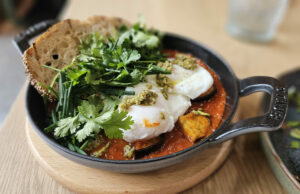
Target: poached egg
{"points": [[153, 120]]}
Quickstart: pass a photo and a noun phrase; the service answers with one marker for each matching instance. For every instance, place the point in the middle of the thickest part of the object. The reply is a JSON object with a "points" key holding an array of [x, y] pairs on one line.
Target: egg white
{"points": [[148, 114], [190, 83], [178, 105]]}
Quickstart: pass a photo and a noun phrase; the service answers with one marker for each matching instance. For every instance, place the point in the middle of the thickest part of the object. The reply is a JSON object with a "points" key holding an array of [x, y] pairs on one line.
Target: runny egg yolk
{"points": [[148, 124]]}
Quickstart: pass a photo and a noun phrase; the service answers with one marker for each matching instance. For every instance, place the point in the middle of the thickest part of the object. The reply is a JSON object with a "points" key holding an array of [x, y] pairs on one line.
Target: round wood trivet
{"points": [[84, 179]]}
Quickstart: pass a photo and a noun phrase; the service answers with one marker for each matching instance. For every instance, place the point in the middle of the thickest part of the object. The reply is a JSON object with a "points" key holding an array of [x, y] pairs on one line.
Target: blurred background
{"points": [[244, 32], [15, 16]]}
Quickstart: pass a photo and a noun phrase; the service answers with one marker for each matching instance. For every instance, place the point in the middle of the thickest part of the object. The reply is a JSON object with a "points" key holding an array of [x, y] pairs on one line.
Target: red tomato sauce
{"points": [[176, 140]]}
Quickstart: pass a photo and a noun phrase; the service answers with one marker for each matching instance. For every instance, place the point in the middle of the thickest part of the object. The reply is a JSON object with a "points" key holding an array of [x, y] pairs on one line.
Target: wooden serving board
{"points": [[84, 179]]}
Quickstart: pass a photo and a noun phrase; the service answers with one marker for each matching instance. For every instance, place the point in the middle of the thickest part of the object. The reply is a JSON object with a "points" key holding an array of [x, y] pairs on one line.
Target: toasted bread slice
{"points": [[58, 46]]}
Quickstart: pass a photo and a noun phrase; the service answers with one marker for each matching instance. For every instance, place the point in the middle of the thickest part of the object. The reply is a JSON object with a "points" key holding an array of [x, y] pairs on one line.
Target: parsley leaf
{"points": [[69, 124], [89, 127], [141, 39], [114, 123], [91, 108], [110, 104], [129, 56], [136, 76], [75, 74]]}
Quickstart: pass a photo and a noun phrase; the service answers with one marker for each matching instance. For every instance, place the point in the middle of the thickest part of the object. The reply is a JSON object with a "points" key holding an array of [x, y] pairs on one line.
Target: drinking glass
{"points": [[255, 20]]}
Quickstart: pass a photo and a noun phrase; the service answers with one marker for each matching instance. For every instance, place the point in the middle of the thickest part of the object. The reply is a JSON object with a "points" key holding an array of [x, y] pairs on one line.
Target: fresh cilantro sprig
{"points": [[93, 116], [114, 61]]}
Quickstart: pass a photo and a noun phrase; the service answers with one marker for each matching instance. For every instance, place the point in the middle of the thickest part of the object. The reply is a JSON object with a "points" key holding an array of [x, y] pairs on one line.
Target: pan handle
{"points": [[21, 41], [270, 121]]}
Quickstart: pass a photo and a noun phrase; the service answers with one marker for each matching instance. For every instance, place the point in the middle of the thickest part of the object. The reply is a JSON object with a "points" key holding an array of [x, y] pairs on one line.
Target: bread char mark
{"points": [[35, 50], [119, 20], [69, 23]]}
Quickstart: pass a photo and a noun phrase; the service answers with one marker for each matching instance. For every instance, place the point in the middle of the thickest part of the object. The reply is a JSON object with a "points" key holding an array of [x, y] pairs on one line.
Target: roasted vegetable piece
{"points": [[194, 126], [143, 148], [208, 94]]}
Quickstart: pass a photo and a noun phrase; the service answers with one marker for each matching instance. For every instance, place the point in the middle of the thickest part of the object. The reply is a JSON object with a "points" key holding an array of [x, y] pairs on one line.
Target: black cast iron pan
{"points": [[271, 120]]}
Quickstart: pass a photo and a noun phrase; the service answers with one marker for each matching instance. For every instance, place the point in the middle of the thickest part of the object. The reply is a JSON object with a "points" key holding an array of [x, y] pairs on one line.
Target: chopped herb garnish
{"points": [[128, 151], [295, 133], [93, 143], [162, 116], [185, 61], [145, 97], [294, 97], [294, 145], [293, 123], [200, 112], [101, 151]]}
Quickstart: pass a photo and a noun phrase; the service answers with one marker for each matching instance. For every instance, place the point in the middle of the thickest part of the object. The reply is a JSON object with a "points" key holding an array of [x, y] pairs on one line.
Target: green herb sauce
{"points": [[145, 97]]}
